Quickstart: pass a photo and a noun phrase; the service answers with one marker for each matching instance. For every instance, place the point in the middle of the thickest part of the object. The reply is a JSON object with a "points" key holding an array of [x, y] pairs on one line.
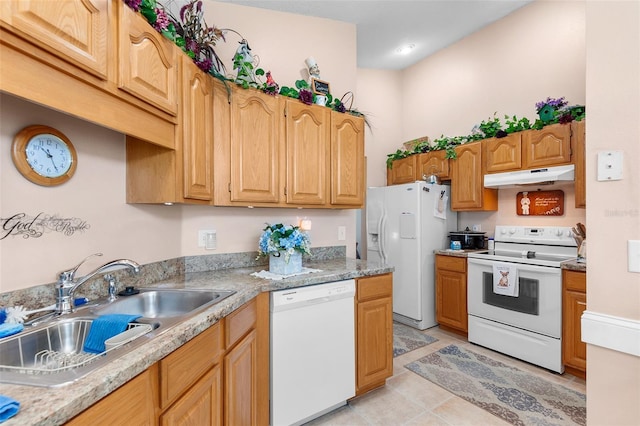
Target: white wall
{"points": [[535, 52], [148, 233]]}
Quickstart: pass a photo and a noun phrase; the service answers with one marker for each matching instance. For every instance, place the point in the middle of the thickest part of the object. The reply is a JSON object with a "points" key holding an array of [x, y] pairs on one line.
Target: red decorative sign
{"points": [[540, 203]]}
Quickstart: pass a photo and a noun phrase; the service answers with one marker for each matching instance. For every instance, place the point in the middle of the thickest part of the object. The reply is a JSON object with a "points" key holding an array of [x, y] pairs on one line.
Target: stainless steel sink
{"points": [[162, 303], [51, 354]]}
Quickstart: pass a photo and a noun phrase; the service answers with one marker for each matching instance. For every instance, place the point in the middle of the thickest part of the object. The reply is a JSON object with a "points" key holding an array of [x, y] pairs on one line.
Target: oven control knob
{"points": [[512, 231], [503, 231], [559, 232]]}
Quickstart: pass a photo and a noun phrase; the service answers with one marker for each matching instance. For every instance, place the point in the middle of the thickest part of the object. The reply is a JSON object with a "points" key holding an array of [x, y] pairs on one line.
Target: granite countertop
{"points": [[574, 265], [53, 406], [459, 253]]}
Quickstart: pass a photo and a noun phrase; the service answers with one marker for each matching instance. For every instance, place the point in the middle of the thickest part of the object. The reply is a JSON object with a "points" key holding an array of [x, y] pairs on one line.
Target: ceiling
{"points": [[384, 26]]}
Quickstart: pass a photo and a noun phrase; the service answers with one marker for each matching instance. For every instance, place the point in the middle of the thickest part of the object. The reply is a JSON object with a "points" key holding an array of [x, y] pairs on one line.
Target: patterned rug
{"points": [[513, 395], [407, 339]]}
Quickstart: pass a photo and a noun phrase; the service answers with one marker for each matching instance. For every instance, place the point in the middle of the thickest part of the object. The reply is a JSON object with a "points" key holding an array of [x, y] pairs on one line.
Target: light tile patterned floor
{"points": [[409, 399]]}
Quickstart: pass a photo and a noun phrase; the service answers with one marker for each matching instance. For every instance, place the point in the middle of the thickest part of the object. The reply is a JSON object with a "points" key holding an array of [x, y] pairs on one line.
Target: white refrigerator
{"points": [[405, 224]]}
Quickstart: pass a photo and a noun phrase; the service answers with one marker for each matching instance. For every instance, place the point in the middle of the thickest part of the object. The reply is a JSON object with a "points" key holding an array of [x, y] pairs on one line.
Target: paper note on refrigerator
{"points": [[408, 225]]}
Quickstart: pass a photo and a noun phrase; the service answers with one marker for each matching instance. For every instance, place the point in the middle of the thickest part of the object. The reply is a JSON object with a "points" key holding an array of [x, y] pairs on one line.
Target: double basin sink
{"points": [[50, 354]]}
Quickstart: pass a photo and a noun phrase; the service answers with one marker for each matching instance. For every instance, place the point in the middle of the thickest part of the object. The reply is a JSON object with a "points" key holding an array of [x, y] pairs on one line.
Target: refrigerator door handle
{"points": [[382, 240]]}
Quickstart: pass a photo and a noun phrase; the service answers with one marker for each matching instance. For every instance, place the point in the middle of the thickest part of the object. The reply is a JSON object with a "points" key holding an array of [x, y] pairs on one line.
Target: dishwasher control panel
{"points": [[311, 294]]}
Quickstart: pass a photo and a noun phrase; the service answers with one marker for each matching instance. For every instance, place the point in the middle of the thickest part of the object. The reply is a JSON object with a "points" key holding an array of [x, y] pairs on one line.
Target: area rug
{"points": [[513, 395], [406, 339]]}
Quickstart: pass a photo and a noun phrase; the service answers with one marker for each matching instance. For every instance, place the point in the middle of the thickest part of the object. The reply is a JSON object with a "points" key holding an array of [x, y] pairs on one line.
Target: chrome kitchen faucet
{"points": [[67, 286]]}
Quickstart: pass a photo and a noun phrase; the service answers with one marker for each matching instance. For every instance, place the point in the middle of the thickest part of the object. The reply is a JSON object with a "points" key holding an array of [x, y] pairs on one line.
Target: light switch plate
{"points": [[610, 165], [633, 248]]}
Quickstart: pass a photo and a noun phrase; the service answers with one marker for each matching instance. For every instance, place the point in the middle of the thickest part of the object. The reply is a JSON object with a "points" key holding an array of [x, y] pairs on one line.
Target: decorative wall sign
{"points": [[540, 203], [21, 224], [319, 87]]}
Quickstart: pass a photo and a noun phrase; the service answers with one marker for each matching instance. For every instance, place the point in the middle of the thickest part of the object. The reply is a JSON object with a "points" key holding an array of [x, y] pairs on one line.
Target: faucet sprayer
{"points": [[67, 285]]}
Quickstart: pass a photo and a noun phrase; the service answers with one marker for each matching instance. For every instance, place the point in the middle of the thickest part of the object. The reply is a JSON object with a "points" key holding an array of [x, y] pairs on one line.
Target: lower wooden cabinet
{"points": [[451, 293], [574, 303], [374, 332], [219, 377], [134, 403], [200, 405]]}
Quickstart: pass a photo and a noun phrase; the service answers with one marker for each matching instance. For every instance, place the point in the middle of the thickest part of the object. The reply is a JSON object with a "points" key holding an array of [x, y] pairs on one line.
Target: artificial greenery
{"points": [[493, 127]]}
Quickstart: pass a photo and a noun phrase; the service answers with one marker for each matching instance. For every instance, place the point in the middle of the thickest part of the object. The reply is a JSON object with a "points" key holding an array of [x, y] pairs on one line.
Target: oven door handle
{"points": [[521, 266]]}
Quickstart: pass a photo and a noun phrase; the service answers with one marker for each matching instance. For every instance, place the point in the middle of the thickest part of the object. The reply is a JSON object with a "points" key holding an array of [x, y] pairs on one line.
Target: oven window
{"points": [[526, 302]]}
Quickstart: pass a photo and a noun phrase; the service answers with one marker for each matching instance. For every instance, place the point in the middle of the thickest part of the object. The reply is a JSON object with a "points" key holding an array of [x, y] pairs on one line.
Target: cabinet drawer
{"points": [[239, 323], [183, 367], [574, 280], [374, 287], [451, 263]]}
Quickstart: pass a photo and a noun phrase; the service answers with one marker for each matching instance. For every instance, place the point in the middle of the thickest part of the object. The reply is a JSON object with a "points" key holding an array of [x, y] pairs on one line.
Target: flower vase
{"points": [[278, 264]]}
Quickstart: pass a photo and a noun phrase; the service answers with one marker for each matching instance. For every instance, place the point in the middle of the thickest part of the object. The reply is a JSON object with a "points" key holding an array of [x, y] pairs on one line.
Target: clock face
{"points": [[48, 155], [44, 155]]}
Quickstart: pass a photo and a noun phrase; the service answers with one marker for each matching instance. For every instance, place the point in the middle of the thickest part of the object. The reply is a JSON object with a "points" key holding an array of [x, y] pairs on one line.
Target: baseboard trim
{"points": [[607, 331]]}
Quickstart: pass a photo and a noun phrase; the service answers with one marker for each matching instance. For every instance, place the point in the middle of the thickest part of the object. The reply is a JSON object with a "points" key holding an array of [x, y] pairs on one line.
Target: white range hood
{"points": [[544, 175]]}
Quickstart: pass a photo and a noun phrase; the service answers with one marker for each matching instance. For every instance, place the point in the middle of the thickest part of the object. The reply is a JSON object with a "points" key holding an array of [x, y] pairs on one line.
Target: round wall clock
{"points": [[44, 155]]}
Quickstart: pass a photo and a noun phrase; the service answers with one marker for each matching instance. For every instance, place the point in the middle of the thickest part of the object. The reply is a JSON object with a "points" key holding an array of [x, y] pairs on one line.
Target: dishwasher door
{"points": [[312, 351]]}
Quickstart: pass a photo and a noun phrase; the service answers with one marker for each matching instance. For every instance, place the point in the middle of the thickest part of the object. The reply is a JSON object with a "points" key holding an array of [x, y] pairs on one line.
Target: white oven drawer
{"points": [[537, 308]]}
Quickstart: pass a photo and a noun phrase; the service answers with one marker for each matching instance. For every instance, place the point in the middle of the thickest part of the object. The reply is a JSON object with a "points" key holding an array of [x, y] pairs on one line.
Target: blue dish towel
{"points": [[8, 408], [10, 329], [105, 327]]}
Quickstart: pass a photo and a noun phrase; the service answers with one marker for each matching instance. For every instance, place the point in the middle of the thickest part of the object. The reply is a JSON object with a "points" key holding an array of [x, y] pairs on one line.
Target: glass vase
{"points": [[278, 264]]}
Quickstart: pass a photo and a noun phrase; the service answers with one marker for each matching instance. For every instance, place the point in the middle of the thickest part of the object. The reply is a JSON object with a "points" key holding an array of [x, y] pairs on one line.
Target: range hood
{"points": [[546, 175]]}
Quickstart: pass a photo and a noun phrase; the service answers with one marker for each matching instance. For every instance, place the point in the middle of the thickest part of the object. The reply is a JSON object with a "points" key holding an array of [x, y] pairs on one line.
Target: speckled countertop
{"points": [[54, 406], [458, 253], [574, 265]]}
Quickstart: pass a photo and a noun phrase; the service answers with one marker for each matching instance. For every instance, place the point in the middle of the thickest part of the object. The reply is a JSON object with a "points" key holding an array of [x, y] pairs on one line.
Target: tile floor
{"points": [[409, 399]]}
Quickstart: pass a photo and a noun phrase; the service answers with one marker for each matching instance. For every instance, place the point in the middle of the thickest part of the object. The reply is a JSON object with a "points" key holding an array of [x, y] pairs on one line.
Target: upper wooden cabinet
{"points": [[549, 146], [402, 171], [307, 146], [76, 31], [197, 132], [279, 152], [578, 148], [347, 160], [467, 181], [503, 154], [433, 162], [156, 174], [256, 121], [415, 167], [148, 65], [99, 61]]}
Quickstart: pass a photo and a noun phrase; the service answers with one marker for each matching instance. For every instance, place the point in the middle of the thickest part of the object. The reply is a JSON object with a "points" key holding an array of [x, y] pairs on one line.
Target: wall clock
{"points": [[44, 155]]}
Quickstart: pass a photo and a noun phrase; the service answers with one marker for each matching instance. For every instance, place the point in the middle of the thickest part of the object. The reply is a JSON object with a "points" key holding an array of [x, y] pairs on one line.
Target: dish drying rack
{"points": [[49, 361]]}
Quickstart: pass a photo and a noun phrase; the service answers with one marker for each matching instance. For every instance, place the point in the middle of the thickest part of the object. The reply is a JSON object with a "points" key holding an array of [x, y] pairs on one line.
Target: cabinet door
{"points": [[241, 383], [434, 162], [402, 171], [467, 181], [546, 147], [574, 350], [255, 145], [201, 405], [347, 160], [374, 333], [579, 147], [148, 62], [197, 132], [503, 154], [76, 31], [451, 292], [134, 403], [307, 142]]}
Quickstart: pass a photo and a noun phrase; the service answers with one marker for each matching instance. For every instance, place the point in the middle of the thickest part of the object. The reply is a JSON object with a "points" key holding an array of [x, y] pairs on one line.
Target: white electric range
{"points": [[514, 293]]}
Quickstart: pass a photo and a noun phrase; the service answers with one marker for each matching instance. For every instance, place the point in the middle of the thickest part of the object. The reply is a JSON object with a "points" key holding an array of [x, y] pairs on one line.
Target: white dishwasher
{"points": [[312, 351]]}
